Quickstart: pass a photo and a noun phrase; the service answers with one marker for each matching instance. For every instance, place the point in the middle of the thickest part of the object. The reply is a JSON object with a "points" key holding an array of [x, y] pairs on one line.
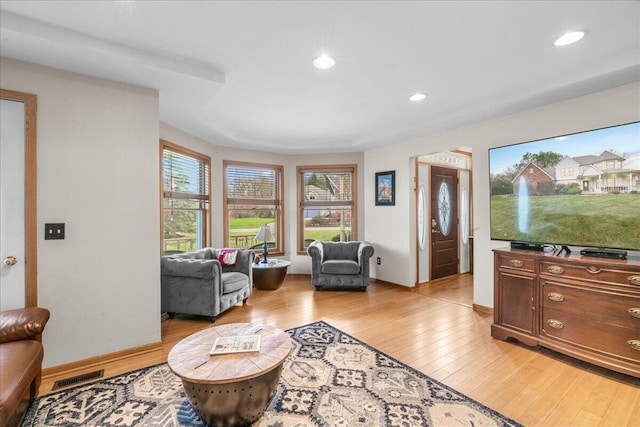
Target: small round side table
{"points": [[270, 276]]}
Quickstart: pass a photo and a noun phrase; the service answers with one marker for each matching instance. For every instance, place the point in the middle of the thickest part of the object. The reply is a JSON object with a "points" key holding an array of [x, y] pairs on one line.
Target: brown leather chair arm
{"points": [[23, 323]]}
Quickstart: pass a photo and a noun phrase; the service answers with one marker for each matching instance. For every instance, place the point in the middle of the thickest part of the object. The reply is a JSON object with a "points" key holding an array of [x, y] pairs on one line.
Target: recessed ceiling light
{"points": [[417, 97], [323, 62], [569, 38]]}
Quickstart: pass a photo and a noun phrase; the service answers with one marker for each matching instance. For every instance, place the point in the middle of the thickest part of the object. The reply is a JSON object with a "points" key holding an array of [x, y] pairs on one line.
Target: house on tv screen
{"points": [[607, 172]]}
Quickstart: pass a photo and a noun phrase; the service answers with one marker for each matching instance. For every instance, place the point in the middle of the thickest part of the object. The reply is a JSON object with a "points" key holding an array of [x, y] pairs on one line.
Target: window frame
{"points": [[279, 204], [332, 168], [207, 216]]}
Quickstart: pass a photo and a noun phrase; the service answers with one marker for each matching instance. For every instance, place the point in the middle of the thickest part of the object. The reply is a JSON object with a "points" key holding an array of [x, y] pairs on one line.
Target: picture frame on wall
{"points": [[386, 188]]}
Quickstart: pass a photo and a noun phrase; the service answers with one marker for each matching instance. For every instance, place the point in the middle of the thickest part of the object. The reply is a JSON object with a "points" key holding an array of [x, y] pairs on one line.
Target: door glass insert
{"points": [[464, 216], [422, 212], [444, 208]]}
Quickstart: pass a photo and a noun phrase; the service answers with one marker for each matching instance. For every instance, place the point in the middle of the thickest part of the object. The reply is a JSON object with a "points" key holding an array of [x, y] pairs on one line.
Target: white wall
{"points": [[396, 244], [300, 263], [98, 173]]}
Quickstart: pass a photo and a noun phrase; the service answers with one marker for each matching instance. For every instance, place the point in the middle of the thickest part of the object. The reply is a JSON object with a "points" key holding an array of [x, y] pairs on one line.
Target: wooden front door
{"points": [[444, 222]]}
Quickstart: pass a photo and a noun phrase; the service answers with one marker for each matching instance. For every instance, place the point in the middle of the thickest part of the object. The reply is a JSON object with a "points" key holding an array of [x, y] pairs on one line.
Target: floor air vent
{"points": [[78, 379]]}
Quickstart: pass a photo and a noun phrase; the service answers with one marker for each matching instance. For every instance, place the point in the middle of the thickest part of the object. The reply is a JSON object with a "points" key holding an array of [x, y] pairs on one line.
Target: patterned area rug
{"points": [[330, 379]]}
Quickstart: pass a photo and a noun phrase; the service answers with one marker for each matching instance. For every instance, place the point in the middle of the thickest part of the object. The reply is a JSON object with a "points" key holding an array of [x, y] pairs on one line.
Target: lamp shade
{"points": [[264, 233]]}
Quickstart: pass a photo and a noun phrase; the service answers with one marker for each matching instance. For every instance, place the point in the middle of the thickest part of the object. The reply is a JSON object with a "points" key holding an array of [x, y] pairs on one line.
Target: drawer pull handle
{"points": [[634, 312], [555, 269], [635, 280], [559, 325], [634, 344], [593, 270], [516, 263], [554, 296]]}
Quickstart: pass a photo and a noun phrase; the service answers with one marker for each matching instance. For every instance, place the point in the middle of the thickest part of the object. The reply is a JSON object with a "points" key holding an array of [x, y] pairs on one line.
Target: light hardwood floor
{"points": [[433, 329]]}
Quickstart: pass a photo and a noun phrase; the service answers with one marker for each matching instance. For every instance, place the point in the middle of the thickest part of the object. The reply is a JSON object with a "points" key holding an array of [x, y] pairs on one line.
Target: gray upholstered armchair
{"points": [[198, 283], [340, 264]]}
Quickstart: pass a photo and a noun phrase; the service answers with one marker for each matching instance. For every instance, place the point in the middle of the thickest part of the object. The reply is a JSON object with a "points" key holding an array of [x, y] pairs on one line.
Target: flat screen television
{"points": [[581, 189]]}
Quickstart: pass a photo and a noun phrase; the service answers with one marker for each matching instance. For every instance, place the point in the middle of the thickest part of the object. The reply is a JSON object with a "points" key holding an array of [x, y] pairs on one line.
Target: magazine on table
{"points": [[236, 344]]}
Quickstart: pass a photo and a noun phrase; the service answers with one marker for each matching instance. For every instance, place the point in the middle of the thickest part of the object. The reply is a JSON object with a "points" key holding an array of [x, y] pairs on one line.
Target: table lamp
{"points": [[264, 234]]}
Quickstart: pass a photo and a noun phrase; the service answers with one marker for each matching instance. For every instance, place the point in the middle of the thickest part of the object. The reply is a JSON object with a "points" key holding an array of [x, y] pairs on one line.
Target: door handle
{"points": [[10, 260]]}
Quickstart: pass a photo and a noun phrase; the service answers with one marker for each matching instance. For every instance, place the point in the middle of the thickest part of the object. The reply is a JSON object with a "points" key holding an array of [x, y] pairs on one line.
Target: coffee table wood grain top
{"points": [[190, 359]]}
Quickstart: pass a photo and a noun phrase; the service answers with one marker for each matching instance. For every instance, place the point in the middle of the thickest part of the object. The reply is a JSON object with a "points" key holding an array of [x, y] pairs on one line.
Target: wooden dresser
{"points": [[587, 308]]}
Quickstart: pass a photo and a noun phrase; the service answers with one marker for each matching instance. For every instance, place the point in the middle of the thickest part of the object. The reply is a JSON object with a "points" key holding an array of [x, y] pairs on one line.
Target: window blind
{"points": [[326, 188], [184, 177], [258, 185]]}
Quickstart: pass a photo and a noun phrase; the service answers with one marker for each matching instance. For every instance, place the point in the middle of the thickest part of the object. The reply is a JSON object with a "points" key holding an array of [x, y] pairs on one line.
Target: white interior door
{"points": [[12, 204]]}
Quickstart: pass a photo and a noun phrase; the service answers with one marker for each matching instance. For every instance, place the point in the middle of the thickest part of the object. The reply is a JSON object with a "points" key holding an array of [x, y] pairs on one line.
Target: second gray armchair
{"points": [[198, 283], [340, 264]]}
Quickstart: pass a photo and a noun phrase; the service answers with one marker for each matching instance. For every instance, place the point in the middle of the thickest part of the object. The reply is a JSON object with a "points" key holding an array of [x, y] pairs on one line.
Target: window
{"points": [[186, 203], [253, 197], [566, 172], [327, 204]]}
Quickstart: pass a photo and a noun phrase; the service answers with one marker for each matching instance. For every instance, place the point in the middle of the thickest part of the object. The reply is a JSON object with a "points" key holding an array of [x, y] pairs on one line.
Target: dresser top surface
{"points": [[575, 256]]}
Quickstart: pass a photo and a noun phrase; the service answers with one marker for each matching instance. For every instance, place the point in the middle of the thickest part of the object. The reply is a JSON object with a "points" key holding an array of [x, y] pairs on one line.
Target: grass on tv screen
{"points": [[604, 221]]}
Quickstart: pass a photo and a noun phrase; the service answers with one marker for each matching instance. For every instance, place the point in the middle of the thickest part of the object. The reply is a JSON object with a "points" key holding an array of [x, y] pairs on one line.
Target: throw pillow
{"points": [[227, 257]]}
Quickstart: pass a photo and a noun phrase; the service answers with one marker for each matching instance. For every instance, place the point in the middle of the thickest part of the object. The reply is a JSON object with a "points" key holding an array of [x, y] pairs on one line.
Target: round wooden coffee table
{"points": [[230, 389]]}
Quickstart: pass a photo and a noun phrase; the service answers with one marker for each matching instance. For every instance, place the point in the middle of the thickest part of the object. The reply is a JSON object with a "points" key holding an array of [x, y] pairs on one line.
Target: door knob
{"points": [[10, 260]]}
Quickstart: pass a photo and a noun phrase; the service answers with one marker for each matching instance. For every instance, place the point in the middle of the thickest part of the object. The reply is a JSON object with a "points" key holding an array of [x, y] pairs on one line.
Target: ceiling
{"points": [[240, 74]]}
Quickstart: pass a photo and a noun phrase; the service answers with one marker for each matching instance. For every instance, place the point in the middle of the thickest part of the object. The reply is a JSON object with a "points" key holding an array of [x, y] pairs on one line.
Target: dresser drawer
{"points": [[591, 272], [599, 306], [517, 263], [592, 335]]}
